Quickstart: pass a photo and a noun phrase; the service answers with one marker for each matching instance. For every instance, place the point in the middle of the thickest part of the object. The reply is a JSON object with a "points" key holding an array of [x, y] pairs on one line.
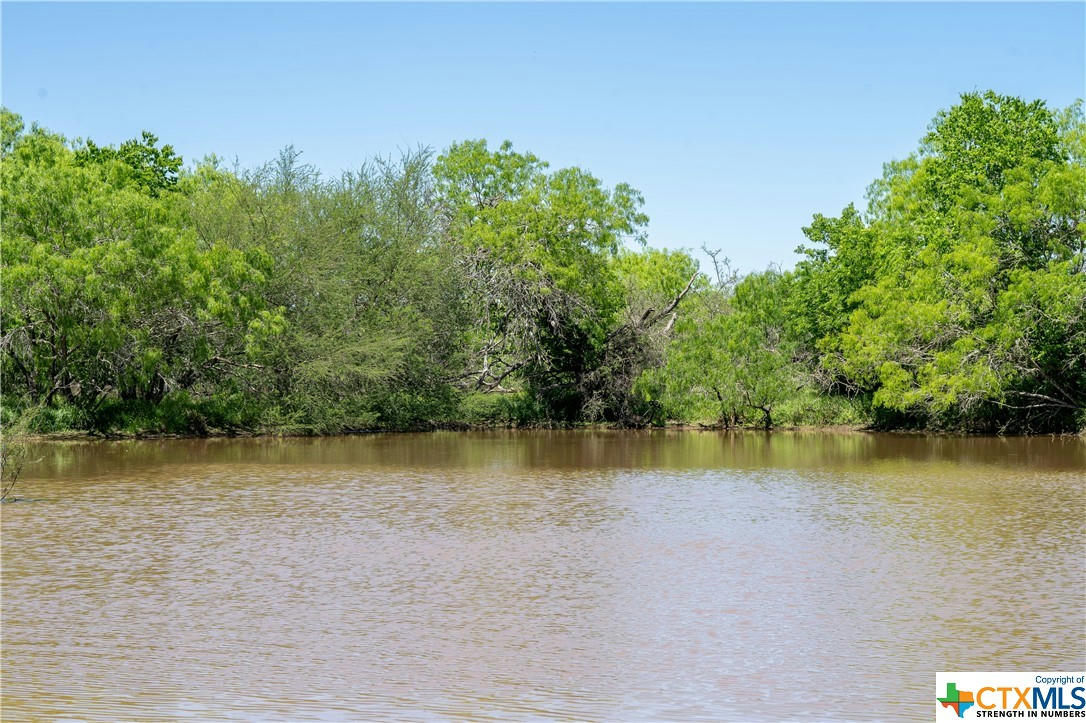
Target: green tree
{"points": [[536, 250], [108, 298], [959, 299], [372, 316], [731, 358]]}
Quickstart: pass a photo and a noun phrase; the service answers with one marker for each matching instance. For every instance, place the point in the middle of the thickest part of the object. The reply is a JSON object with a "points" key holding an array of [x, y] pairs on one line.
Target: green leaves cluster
{"points": [[541, 255], [108, 294], [974, 316], [731, 359]]}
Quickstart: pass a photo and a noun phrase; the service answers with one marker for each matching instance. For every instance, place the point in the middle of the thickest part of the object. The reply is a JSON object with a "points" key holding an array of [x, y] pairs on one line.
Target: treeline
{"points": [[481, 286]]}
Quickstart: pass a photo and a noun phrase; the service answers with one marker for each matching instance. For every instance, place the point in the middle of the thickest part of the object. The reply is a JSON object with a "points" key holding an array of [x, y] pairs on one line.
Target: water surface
{"points": [[598, 575]]}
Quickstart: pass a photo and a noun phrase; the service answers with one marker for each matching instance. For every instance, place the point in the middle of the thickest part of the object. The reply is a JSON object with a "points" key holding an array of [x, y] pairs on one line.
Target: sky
{"points": [[737, 121]]}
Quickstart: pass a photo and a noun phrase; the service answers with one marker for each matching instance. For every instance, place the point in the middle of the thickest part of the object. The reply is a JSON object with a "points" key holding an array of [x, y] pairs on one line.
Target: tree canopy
{"points": [[483, 286]]}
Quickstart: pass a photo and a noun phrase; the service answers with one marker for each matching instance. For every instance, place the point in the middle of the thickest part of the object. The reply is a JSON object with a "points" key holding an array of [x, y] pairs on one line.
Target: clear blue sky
{"points": [[737, 121]]}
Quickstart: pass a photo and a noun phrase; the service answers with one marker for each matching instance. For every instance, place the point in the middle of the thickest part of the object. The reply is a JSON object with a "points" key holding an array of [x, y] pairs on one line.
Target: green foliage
{"points": [[368, 322], [519, 409], [107, 293], [959, 301], [486, 288], [13, 449], [11, 127], [137, 161], [731, 359], [224, 412], [651, 278], [537, 253], [826, 280]]}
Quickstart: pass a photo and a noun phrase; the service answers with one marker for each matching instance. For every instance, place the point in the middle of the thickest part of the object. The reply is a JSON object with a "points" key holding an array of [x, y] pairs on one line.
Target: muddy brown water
{"points": [[571, 575]]}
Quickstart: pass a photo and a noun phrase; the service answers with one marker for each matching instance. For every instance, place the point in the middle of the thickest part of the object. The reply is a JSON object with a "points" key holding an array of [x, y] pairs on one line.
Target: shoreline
{"points": [[88, 436]]}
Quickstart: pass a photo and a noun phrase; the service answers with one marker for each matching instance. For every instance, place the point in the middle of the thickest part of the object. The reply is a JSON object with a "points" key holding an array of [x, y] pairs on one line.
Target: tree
{"points": [[372, 318], [656, 283], [536, 249], [959, 299], [731, 357], [107, 296]]}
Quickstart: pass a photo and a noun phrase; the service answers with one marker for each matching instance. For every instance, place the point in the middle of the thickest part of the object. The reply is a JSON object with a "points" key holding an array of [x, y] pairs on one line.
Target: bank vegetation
{"points": [[481, 286]]}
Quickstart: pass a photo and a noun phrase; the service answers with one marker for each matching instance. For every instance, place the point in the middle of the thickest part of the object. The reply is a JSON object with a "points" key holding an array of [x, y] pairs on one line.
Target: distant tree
{"points": [[731, 353], [11, 127], [656, 285]]}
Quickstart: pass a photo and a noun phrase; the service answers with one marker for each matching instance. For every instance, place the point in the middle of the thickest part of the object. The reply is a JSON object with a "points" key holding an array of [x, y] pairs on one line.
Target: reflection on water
{"points": [[601, 575]]}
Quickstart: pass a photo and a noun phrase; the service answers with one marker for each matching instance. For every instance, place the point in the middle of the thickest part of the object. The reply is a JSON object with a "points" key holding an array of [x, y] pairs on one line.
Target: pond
{"points": [[525, 575]]}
